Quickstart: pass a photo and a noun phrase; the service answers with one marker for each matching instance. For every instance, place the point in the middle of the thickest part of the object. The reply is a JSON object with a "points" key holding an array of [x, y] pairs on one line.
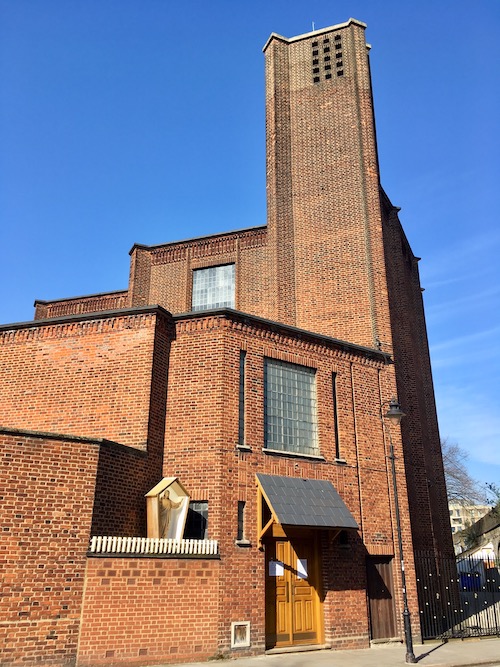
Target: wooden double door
{"points": [[293, 606]]}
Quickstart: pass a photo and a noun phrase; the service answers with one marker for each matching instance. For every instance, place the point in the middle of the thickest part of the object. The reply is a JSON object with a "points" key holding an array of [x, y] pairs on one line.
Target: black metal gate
{"points": [[458, 598]]}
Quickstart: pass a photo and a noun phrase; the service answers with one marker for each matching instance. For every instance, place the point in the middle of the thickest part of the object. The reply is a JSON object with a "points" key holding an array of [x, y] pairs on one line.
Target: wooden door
{"points": [[292, 593], [381, 597]]}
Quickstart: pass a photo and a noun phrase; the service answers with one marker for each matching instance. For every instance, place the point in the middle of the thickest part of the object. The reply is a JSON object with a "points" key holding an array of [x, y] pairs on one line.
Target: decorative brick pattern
{"points": [[79, 305]]}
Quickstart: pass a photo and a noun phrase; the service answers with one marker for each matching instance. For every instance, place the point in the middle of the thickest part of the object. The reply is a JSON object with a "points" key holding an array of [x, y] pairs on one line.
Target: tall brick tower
{"points": [[323, 185], [342, 264]]}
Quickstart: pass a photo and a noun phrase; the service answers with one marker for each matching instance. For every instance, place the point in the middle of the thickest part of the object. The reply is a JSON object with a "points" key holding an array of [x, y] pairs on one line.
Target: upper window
{"points": [[213, 287], [290, 408]]}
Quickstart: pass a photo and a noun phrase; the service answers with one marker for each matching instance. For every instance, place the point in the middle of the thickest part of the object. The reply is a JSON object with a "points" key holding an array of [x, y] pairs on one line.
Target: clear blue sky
{"points": [[127, 121]]}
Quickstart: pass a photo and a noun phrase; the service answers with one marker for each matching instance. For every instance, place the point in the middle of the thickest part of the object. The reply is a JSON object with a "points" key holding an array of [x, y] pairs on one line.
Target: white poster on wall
{"points": [[276, 568], [302, 568]]}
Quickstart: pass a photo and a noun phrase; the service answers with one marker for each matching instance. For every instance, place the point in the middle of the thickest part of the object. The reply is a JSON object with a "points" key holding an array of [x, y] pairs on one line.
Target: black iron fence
{"points": [[458, 598]]}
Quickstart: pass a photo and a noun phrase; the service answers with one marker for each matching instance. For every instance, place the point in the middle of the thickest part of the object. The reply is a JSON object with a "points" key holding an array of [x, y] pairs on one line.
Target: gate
{"points": [[458, 598]]}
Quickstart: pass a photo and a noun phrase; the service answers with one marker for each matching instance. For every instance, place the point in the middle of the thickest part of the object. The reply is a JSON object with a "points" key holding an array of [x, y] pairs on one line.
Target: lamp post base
{"points": [[410, 656]]}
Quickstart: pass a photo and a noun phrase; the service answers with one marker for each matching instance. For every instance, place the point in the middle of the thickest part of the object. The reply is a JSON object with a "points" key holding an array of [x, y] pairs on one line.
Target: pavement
{"points": [[453, 653]]}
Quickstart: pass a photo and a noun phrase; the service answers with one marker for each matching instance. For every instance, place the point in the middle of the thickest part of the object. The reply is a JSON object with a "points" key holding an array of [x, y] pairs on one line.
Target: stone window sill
{"points": [[300, 455]]}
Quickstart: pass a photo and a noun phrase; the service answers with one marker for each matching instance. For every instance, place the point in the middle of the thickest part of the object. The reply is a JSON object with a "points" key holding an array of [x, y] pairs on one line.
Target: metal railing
{"points": [[458, 598]]}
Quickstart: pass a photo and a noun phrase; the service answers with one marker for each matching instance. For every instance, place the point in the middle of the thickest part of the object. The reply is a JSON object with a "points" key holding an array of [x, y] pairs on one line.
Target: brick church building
{"points": [[247, 372]]}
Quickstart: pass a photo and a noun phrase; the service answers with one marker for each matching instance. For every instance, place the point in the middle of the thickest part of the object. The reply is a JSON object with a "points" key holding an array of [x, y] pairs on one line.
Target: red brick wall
{"points": [[121, 620], [201, 449], [124, 474], [80, 377], [47, 494], [140, 276], [142, 610], [123, 477]]}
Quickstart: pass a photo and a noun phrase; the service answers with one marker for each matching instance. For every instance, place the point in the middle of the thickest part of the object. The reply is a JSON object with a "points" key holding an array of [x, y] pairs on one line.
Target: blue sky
{"points": [[127, 121]]}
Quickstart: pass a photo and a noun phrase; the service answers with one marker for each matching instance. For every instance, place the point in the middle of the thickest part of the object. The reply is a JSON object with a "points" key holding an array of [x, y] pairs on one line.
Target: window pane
{"points": [[335, 415], [197, 520], [290, 407], [241, 407], [213, 287], [241, 520]]}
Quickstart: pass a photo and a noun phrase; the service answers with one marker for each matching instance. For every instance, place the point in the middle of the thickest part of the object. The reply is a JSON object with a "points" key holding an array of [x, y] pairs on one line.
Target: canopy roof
{"points": [[305, 502]]}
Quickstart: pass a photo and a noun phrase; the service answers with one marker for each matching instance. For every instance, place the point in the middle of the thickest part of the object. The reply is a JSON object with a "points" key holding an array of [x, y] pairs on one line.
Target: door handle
{"points": [[287, 592]]}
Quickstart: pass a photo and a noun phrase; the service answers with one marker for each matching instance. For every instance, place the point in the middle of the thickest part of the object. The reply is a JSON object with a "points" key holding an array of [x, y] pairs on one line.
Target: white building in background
{"points": [[481, 540], [462, 516]]}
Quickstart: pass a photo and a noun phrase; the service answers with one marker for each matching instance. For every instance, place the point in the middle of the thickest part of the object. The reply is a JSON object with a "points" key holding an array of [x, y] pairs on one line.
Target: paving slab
{"points": [[454, 653]]}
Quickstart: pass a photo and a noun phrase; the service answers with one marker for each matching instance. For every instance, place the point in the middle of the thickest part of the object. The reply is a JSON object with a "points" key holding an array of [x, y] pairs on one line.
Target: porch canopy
{"points": [[293, 501]]}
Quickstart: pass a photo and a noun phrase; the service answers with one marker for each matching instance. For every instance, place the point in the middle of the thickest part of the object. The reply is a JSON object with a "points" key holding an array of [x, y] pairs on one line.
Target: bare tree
{"points": [[461, 487]]}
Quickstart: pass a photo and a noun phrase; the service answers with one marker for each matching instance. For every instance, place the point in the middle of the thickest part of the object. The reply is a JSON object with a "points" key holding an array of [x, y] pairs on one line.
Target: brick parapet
{"points": [[45, 435], [79, 305], [72, 318], [314, 33], [216, 245], [210, 244]]}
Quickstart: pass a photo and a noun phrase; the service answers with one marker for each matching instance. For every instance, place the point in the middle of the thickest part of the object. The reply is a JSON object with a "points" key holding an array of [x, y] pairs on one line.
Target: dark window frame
{"points": [[196, 527]]}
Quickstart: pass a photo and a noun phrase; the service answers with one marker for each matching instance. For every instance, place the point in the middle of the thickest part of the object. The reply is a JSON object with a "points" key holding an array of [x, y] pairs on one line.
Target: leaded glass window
{"points": [[213, 287], [290, 408]]}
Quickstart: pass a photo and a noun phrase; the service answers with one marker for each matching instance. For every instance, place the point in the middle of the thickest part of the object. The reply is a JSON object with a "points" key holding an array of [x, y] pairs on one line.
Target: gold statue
{"points": [[166, 507]]}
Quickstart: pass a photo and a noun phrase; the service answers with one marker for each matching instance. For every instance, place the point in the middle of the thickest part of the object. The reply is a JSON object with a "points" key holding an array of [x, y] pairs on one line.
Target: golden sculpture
{"points": [[166, 507]]}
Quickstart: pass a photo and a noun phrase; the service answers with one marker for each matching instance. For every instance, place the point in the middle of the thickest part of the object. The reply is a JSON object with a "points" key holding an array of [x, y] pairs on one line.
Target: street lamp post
{"points": [[394, 414]]}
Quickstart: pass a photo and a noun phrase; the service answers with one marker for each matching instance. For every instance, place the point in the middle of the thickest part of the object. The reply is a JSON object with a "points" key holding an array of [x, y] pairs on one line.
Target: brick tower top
{"points": [[314, 33]]}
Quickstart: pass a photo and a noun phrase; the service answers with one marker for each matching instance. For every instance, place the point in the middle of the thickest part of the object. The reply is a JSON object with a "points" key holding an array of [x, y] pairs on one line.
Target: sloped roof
{"points": [[305, 502]]}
